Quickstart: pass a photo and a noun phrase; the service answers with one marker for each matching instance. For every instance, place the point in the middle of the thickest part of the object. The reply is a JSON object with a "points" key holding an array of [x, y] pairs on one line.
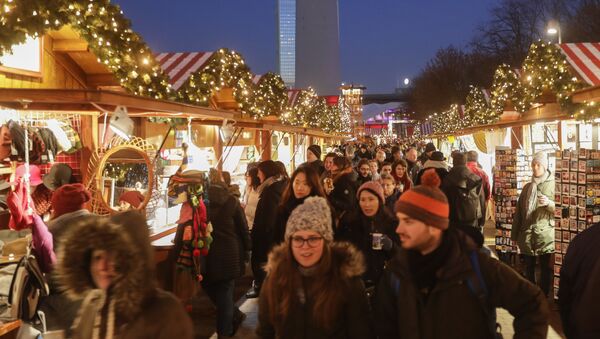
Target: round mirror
{"points": [[125, 178]]}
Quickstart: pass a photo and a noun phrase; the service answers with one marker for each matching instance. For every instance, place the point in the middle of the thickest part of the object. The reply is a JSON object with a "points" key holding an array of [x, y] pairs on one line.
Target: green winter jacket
{"points": [[535, 234]]}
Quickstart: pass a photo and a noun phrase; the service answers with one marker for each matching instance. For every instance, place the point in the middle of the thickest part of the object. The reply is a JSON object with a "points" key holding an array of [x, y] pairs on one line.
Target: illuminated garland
{"points": [[270, 96], [507, 90], [102, 24], [547, 70], [300, 112], [225, 68], [477, 109]]}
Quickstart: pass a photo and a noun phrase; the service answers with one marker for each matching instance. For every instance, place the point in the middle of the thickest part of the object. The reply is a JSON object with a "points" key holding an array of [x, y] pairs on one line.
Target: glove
{"points": [[386, 243]]}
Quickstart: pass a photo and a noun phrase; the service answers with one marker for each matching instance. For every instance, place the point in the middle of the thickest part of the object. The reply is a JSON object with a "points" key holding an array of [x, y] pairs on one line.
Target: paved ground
{"points": [[204, 316]]}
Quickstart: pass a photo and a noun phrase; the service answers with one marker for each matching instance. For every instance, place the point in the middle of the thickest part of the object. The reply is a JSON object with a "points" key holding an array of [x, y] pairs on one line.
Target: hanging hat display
{"points": [[59, 175], [35, 176]]}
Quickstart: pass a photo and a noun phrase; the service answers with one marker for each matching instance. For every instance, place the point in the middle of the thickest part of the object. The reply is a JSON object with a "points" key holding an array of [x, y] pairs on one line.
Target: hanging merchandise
{"points": [[51, 143], [17, 133], [60, 135]]}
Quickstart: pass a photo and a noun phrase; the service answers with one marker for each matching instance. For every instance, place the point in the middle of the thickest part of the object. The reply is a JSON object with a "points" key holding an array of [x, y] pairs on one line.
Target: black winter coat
{"points": [[578, 293], [390, 202], [441, 172], [265, 219], [461, 176], [316, 165], [231, 238], [357, 229], [343, 196], [451, 310]]}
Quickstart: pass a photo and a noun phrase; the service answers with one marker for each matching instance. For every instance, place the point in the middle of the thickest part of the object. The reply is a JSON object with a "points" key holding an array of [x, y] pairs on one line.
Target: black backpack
{"points": [[467, 202], [26, 288]]}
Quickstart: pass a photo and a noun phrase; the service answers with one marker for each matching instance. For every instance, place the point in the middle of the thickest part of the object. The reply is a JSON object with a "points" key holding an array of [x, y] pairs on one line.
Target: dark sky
{"points": [[381, 40]]}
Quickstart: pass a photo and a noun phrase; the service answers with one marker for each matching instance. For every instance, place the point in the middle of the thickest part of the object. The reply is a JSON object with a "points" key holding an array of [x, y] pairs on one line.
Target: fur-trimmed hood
{"points": [[345, 257], [126, 236]]}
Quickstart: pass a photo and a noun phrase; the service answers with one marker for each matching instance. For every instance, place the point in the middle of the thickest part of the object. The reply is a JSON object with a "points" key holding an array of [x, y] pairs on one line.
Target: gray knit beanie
{"points": [[541, 158], [312, 215]]}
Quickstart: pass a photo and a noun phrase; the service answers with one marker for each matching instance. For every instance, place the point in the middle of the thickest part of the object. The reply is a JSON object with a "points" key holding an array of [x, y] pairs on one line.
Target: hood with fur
{"points": [[345, 257], [126, 236]]}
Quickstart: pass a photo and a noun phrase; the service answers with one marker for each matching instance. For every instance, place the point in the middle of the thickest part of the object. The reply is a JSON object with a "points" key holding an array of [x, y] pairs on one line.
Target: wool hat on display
{"points": [[35, 176], [69, 198], [541, 158], [312, 215], [373, 187], [316, 150], [426, 202], [59, 175], [134, 198], [430, 147]]}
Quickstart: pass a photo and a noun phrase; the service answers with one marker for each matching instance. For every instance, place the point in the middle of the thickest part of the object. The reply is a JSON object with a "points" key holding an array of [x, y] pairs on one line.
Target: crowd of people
{"points": [[362, 242]]}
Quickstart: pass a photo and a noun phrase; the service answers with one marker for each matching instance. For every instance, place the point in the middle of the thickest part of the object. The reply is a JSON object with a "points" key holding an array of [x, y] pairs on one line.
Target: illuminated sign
{"points": [[26, 58]]}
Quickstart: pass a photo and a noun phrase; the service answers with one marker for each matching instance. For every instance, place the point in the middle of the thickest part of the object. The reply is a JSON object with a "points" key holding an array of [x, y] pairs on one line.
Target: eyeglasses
{"points": [[312, 241]]}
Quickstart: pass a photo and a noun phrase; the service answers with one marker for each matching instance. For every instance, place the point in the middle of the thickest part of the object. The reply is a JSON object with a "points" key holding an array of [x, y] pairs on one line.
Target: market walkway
{"points": [[250, 307]]}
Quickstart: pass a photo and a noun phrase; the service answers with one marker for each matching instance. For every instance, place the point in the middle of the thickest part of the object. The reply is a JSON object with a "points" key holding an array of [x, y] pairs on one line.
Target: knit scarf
{"points": [[531, 194]]}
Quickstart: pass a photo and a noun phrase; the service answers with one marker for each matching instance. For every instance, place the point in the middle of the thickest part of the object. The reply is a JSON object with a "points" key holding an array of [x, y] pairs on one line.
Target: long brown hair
{"points": [[312, 178], [327, 290]]}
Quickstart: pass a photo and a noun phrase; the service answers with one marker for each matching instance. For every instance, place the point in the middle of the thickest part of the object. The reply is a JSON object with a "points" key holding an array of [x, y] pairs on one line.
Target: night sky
{"points": [[381, 40]]}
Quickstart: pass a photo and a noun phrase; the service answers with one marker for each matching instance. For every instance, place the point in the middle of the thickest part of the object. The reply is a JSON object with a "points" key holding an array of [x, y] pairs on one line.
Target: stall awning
{"points": [[91, 100], [179, 66], [585, 60]]}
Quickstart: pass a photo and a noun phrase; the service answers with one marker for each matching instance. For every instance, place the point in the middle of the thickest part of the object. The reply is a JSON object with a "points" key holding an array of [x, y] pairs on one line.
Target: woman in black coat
{"points": [[226, 257], [272, 185], [371, 228], [304, 183]]}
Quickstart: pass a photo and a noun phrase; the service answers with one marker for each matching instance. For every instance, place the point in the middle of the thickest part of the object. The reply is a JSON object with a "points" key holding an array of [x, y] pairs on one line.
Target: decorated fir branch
{"points": [[477, 109], [102, 24], [507, 91], [270, 96]]}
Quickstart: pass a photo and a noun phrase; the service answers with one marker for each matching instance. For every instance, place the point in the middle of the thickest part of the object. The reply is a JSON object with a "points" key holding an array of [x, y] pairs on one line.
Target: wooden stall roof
{"points": [[543, 113], [587, 95], [82, 100]]}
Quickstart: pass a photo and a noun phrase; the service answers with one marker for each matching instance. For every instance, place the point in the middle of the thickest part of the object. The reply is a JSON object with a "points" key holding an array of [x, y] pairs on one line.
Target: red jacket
{"points": [[485, 181]]}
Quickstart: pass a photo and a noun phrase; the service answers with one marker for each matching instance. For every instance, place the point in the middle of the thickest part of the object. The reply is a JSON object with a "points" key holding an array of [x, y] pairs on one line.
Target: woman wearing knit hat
{"points": [[371, 229], [110, 264], [439, 279], [313, 287], [533, 222]]}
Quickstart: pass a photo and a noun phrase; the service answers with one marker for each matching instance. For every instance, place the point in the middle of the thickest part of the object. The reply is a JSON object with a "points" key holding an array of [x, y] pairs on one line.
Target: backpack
{"points": [[467, 203], [26, 288], [477, 287]]}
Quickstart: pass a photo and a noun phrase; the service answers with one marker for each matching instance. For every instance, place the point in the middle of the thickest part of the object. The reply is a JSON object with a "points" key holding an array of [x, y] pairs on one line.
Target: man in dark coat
{"points": [[428, 289], [437, 161], [578, 292], [466, 211], [313, 159]]}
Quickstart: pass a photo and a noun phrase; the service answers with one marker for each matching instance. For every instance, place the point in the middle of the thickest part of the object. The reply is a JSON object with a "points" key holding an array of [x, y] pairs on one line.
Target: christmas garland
{"points": [[507, 89], [270, 95], [477, 109], [100, 23]]}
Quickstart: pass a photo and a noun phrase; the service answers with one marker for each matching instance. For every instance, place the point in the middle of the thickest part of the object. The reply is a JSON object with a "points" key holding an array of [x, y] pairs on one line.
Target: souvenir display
{"points": [[578, 206]]}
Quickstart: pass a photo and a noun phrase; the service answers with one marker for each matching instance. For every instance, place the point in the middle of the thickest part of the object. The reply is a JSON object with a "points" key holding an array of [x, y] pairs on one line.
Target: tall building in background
{"points": [[308, 49], [286, 41]]}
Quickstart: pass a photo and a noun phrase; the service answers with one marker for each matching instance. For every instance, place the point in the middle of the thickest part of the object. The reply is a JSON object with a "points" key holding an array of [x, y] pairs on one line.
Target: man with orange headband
{"points": [[439, 285]]}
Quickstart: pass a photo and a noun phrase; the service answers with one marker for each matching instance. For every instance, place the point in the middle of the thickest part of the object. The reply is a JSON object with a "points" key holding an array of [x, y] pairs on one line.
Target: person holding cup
{"points": [[371, 229], [533, 222]]}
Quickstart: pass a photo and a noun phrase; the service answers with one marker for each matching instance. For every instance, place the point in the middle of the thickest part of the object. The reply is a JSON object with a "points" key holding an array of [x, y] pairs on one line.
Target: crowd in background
{"points": [[362, 242]]}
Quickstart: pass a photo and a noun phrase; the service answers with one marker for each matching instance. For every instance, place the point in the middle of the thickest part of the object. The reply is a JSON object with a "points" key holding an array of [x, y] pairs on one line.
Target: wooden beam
{"points": [[70, 45], [587, 95], [95, 80]]}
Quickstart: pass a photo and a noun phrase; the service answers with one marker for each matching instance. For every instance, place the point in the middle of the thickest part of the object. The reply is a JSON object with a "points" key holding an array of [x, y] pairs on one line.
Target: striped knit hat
{"points": [[426, 202]]}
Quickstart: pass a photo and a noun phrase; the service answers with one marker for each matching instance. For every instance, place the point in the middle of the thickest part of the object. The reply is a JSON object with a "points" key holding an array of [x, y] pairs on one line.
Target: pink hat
{"points": [[373, 187], [35, 176]]}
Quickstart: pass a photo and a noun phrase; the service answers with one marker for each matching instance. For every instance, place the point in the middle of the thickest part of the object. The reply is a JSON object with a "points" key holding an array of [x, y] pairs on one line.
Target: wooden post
{"points": [[89, 140], [559, 129], [293, 150], [218, 146], [516, 138], [266, 145]]}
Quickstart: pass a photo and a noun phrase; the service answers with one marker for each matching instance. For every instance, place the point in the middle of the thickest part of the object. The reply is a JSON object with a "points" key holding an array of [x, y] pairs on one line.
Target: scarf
{"points": [[268, 182], [88, 323], [531, 193], [424, 268]]}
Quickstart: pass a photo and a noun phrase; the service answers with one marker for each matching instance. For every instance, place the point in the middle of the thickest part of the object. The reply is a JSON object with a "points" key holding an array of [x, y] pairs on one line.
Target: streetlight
{"points": [[554, 29], [406, 81]]}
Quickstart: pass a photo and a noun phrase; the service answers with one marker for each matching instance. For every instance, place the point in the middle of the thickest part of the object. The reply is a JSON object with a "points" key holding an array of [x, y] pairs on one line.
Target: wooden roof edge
{"points": [[586, 95]]}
